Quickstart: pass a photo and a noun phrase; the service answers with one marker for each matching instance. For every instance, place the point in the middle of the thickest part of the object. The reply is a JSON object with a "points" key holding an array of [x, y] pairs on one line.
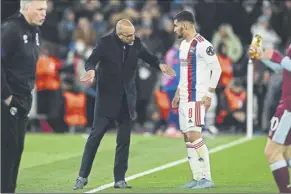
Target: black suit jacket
{"points": [[116, 73]]}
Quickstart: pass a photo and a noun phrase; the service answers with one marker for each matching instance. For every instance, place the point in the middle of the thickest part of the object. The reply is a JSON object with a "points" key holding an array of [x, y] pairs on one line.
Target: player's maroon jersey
{"points": [[286, 90], [286, 84], [280, 131]]}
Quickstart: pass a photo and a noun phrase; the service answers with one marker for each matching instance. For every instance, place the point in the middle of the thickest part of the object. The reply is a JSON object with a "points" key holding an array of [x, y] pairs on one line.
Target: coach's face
{"points": [[37, 11], [178, 28], [128, 35]]}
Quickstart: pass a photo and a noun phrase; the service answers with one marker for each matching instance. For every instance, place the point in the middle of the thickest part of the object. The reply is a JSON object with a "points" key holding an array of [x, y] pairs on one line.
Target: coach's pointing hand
{"points": [[89, 76], [167, 70]]}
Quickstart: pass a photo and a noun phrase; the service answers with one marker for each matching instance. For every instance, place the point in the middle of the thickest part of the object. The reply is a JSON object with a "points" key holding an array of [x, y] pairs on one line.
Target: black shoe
{"points": [[80, 183], [121, 185]]}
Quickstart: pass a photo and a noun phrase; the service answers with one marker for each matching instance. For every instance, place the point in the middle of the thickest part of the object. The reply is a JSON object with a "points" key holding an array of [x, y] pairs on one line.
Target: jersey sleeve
{"points": [[207, 53], [286, 63], [283, 61], [274, 66]]}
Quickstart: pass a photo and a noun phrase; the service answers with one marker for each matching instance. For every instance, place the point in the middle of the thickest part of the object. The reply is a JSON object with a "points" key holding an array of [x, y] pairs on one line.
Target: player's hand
{"points": [[166, 69], [89, 76], [206, 101], [175, 102], [255, 51], [8, 100], [176, 99]]}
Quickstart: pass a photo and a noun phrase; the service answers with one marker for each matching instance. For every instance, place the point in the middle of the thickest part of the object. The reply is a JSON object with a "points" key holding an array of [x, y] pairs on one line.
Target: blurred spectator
{"points": [[226, 74], [151, 8], [243, 17], [112, 7], [85, 33], [263, 28], [87, 8], [272, 98], [166, 33], [48, 84], [71, 82], [151, 40], [205, 13], [84, 38], [226, 66], [131, 11], [145, 83], [284, 21], [75, 104], [233, 107], [66, 27], [170, 84], [226, 35], [49, 96], [48, 30], [99, 24]]}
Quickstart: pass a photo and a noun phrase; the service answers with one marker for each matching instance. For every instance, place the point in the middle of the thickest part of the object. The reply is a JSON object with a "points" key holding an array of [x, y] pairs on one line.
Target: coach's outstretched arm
{"points": [[148, 57], [153, 61], [92, 61]]}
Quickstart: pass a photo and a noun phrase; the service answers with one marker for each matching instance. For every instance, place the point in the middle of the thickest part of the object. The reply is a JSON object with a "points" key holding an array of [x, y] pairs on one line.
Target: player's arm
{"points": [[266, 57], [9, 43], [176, 98], [149, 58], [272, 65], [275, 58], [209, 56], [286, 63]]}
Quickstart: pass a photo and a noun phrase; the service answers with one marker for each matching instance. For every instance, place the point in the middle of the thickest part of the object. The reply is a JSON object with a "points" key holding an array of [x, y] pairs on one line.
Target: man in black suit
{"points": [[20, 49], [117, 54]]}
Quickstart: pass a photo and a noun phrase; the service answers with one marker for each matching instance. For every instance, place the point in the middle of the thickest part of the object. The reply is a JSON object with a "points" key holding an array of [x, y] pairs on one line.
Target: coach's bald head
{"points": [[125, 31]]}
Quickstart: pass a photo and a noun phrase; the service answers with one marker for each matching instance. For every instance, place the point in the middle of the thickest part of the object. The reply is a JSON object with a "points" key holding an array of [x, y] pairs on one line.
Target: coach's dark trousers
{"points": [[13, 129], [98, 130]]}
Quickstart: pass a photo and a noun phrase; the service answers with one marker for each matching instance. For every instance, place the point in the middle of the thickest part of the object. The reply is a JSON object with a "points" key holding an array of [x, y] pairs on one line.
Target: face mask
{"points": [[80, 46]]}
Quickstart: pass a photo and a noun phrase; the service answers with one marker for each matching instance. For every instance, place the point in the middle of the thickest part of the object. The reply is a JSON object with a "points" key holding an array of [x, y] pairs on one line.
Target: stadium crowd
{"points": [[72, 28]]}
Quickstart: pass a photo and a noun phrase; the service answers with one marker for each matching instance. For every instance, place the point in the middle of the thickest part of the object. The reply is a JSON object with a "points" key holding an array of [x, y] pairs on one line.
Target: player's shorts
{"points": [[191, 114], [280, 129]]}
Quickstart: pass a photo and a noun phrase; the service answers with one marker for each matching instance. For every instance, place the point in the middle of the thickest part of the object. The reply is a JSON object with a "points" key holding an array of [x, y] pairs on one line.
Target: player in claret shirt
{"points": [[278, 148], [199, 74]]}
